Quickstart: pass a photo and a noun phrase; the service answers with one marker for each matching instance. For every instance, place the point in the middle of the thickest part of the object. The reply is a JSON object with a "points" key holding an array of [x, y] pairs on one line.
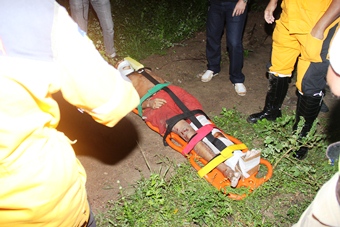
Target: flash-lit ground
{"points": [[131, 149]]}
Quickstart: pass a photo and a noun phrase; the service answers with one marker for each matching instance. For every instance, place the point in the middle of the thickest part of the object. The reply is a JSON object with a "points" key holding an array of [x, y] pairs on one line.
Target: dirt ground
{"points": [[125, 153]]}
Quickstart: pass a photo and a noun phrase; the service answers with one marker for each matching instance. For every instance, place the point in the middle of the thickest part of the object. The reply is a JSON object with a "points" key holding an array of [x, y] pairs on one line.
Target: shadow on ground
{"points": [[97, 141]]}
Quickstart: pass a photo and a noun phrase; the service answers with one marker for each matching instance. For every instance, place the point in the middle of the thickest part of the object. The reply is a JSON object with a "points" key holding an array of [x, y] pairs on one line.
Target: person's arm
{"points": [[88, 81], [331, 14], [269, 11]]}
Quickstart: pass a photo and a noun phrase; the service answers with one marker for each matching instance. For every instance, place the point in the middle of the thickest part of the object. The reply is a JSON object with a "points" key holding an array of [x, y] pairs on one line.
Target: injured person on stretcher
{"points": [[163, 103]]}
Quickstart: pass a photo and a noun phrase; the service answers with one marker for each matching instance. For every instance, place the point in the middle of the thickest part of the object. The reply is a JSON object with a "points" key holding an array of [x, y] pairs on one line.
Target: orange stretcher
{"points": [[215, 177], [212, 175]]}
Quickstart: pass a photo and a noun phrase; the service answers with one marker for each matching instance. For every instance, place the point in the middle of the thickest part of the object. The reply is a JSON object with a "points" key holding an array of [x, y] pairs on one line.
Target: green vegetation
{"points": [[178, 197], [175, 195], [143, 28]]}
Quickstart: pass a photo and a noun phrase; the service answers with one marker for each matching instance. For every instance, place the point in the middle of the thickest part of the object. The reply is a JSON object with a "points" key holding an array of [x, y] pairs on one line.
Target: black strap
{"points": [[187, 114], [172, 121], [147, 75], [174, 97]]}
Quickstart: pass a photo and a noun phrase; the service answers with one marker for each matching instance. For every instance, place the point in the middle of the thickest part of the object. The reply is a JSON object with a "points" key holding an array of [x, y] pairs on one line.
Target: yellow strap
{"points": [[224, 155], [135, 64]]}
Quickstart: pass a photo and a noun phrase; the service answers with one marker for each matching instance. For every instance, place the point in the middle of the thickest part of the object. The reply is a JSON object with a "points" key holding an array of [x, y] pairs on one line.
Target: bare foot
{"points": [[233, 176]]}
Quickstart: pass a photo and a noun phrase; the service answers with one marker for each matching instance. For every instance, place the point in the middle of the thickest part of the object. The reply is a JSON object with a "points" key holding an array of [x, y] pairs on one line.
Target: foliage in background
{"points": [[156, 26], [180, 198], [143, 28]]}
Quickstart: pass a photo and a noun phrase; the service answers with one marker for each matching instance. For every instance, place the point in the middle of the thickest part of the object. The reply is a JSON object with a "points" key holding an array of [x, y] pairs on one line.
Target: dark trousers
{"points": [[92, 221], [220, 17]]}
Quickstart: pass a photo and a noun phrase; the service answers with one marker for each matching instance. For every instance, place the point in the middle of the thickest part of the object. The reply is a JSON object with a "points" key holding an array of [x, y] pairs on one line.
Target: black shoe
{"points": [[270, 115], [301, 153]]}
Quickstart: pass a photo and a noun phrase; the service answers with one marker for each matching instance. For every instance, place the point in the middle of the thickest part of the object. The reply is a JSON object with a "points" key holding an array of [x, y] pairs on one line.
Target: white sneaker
{"points": [[240, 89], [208, 75], [112, 55]]}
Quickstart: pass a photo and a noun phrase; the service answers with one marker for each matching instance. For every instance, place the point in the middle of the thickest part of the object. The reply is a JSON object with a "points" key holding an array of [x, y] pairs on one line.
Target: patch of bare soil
{"points": [[130, 149]]}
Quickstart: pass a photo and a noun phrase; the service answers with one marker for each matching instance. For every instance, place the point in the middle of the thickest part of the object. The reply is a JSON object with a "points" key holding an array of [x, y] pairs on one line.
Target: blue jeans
{"points": [[220, 17], [80, 14]]}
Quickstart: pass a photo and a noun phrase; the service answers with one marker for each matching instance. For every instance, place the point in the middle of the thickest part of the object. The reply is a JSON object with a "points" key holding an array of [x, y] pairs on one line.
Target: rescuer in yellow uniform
{"points": [[42, 51], [302, 34]]}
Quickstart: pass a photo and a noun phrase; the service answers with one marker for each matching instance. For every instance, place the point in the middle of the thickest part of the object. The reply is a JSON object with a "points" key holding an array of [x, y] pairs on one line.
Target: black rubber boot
{"points": [[278, 87], [308, 107]]}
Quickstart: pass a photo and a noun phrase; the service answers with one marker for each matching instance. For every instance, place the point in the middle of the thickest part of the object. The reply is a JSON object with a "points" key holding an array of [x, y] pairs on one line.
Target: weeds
{"points": [[180, 198], [143, 28]]}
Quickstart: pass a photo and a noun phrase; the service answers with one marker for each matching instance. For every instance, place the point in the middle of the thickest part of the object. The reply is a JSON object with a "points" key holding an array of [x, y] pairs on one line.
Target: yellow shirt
{"points": [[41, 181], [300, 16]]}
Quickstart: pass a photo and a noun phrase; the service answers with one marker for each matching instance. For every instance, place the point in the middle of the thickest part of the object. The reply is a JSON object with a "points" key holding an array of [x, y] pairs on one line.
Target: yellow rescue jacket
{"points": [[42, 183]]}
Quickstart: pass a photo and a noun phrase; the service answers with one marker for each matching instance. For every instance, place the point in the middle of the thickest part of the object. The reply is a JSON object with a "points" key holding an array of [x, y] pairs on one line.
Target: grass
{"points": [[143, 28], [177, 196], [170, 199]]}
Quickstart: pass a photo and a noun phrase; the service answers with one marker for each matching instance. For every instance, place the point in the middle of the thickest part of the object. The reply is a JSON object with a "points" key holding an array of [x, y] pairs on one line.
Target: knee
{"points": [[235, 47]]}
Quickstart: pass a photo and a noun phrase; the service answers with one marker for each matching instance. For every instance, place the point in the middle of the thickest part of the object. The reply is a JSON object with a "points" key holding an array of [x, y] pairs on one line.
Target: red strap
{"points": [[201, 133]]}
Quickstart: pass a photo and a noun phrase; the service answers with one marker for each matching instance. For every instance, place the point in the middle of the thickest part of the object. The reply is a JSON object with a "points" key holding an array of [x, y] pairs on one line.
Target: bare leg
{"points": [[183, 129]]}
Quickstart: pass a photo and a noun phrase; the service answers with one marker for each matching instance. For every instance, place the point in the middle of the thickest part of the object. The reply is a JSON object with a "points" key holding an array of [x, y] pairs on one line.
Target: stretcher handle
{"points": [[253, 182], [216, 178]]}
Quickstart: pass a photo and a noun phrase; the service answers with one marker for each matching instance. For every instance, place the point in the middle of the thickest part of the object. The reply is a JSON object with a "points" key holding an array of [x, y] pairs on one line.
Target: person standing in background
{"points": [[230, 15], [42, 52], [304, 31], [80, 14]]}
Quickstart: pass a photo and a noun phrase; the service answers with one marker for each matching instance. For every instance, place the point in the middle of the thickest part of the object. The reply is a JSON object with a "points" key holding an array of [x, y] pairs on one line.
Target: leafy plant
{"points": [[180, 198], [143, 28]]}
